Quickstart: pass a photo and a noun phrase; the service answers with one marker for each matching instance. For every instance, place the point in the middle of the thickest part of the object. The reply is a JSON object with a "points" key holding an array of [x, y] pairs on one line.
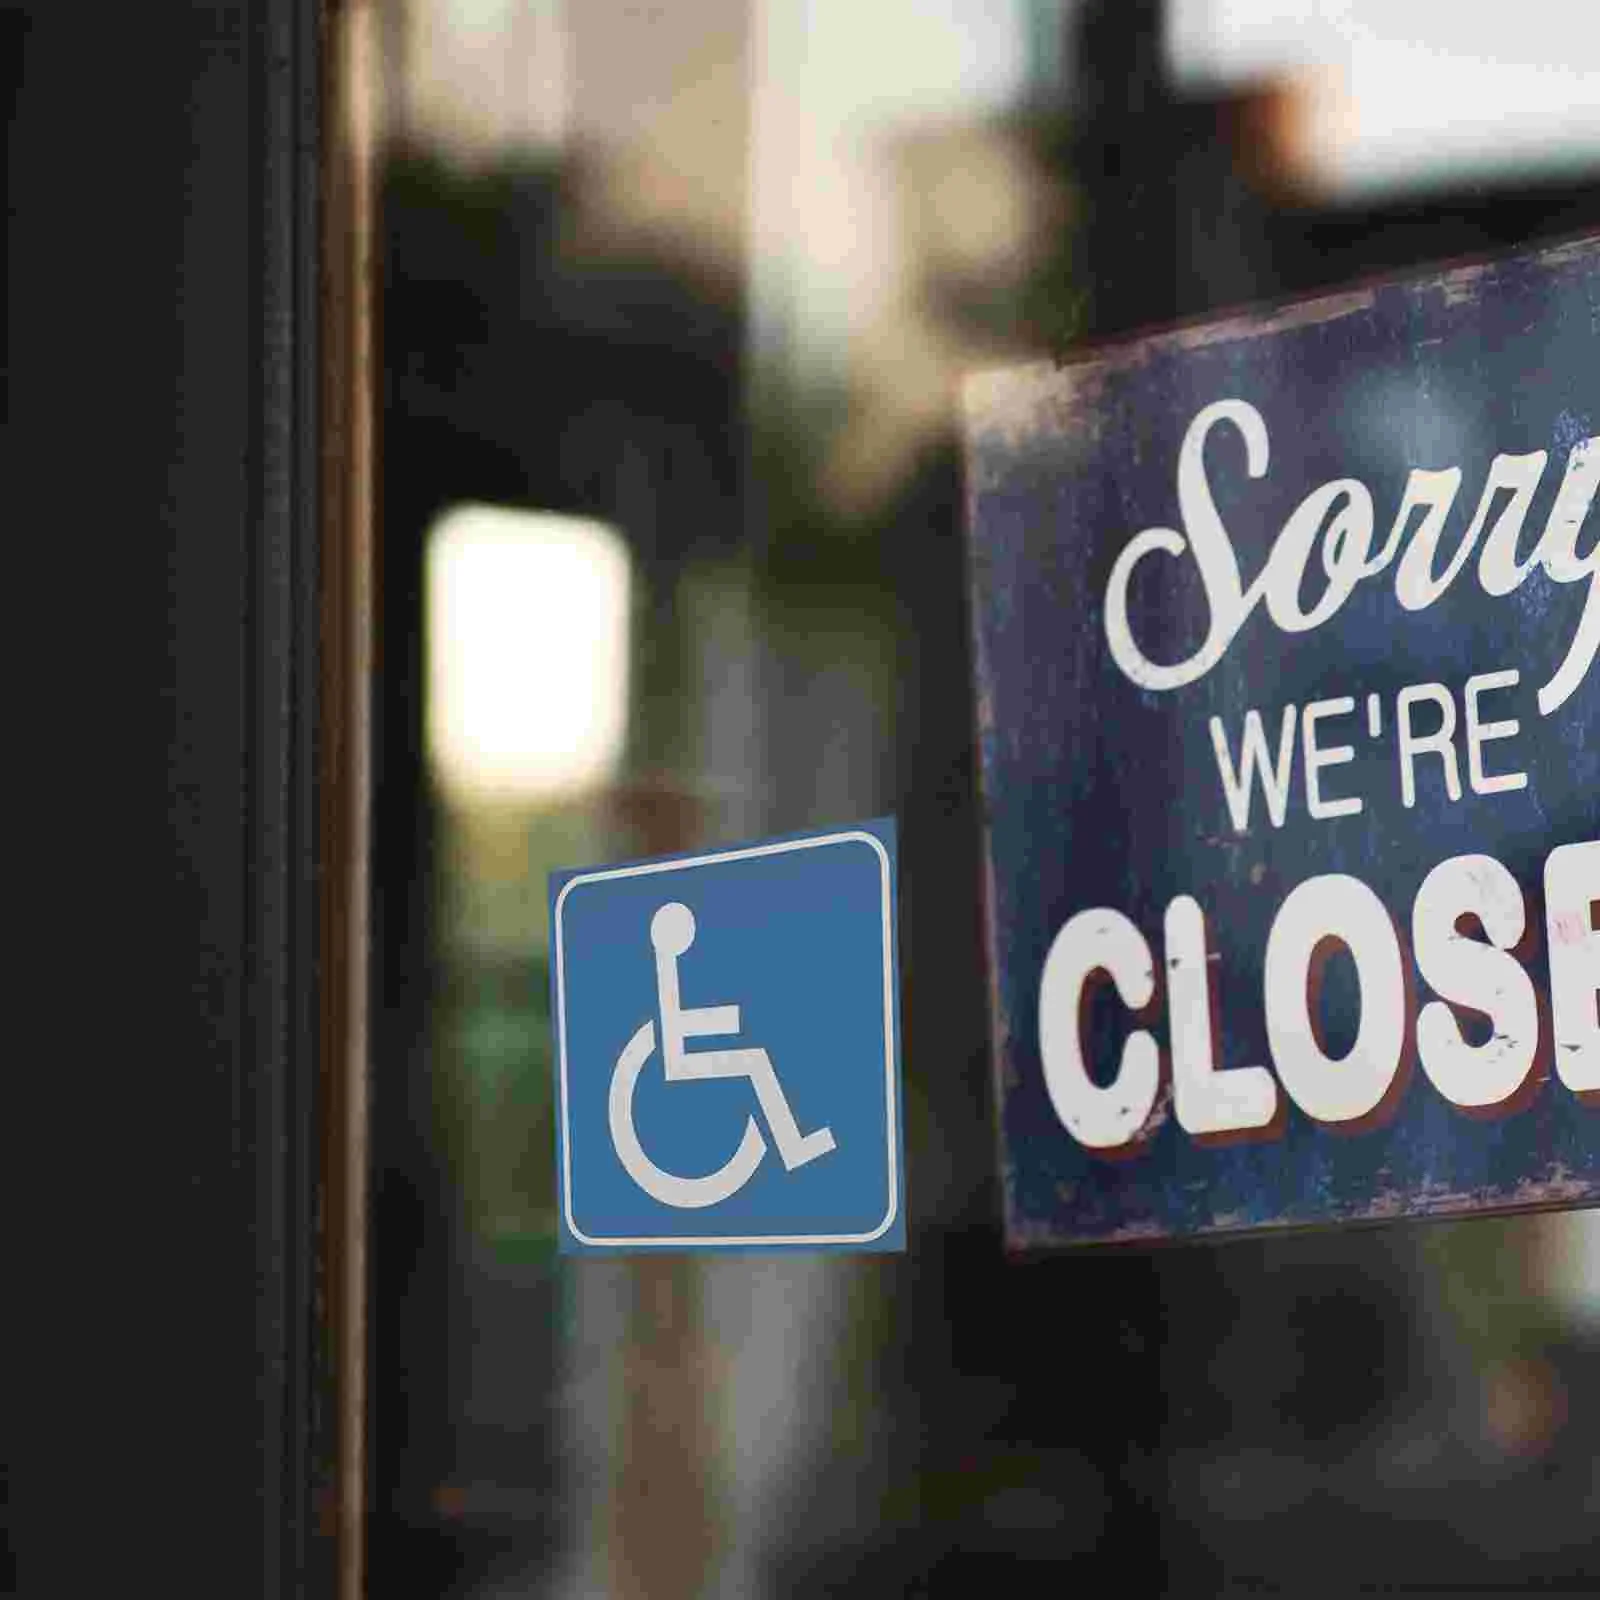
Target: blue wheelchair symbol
{"points": [[805, 1066]]}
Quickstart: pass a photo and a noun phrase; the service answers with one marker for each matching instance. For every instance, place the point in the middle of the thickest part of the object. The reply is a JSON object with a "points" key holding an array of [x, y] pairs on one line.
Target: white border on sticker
{"points": [[891, 1121]]}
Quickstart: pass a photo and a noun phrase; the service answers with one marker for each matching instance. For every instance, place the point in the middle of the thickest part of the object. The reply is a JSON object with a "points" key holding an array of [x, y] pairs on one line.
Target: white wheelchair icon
{"points": [[671, 933]]}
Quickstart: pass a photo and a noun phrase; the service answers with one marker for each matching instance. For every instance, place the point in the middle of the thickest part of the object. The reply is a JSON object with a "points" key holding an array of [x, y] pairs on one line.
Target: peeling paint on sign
{"points": [[1288, 651]]}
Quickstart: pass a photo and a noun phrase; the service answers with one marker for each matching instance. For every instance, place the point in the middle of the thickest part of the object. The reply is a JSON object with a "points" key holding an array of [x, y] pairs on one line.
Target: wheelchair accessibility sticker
{"points": [[784, 1130]]}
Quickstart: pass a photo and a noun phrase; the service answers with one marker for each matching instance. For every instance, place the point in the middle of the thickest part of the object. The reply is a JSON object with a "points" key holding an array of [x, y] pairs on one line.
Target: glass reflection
{"points": [[675, 304]]}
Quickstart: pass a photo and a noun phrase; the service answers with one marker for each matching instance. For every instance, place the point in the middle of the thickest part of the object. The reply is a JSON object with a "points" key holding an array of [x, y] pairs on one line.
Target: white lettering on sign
{"points": [[1315, 757], [1465, 972], [1327, 910], [1439, 742], [1339, 515], [1239, 784], [1206, 1099], [1095, 942], [1471, 969], [1479, 733], [1426, 727]]}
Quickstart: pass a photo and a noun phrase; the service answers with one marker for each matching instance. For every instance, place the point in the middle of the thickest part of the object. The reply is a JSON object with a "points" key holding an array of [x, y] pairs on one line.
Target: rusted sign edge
{"points": [[1555, 1192]]}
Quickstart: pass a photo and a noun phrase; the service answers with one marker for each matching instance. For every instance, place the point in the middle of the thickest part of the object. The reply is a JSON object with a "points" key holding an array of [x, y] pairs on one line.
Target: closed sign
{"points": [[1286, 636]]}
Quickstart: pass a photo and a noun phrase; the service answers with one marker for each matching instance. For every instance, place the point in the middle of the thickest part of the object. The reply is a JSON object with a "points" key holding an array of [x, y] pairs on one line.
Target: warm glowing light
{"points": [[527, 637]]}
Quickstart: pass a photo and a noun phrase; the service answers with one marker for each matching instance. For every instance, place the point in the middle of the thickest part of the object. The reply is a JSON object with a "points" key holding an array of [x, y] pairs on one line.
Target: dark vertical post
{"points": [[167, 1411], [1126, 151]]}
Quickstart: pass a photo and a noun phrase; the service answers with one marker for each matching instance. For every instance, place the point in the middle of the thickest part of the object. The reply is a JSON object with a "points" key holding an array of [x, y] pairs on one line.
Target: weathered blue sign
{"points": [[1289, 714]]}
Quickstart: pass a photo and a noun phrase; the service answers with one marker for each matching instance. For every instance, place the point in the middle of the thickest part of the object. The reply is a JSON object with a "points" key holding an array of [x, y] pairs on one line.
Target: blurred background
{"points": [[675, 302]]}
